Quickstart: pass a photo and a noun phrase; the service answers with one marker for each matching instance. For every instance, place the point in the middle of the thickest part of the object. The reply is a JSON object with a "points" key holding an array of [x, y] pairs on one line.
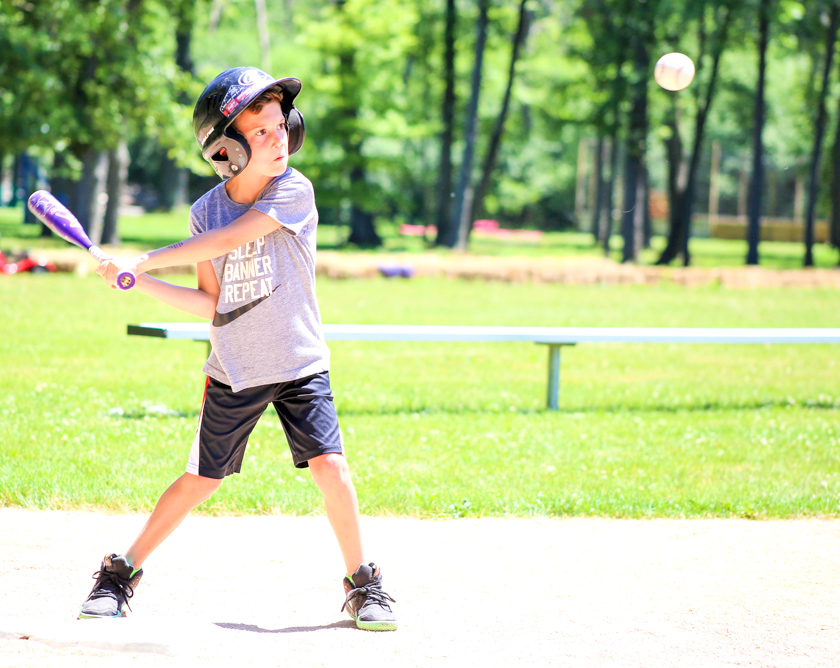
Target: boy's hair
{"points": [[271, 94]]}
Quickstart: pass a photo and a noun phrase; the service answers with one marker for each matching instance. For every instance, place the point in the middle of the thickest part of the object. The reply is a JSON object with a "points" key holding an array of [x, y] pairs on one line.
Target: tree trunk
{"points": [[633, 217], [15, 194], [215, 15], [362, 230], [175, 179], [30, 181], [606, 228], [445, 194], [646, 230], [598, 209], [262, 32], [681, 209], [757, 181], [88, 205], [819, 133], [461, 210], [835, 188], [2, 176], [498, 128], [118, 159]]}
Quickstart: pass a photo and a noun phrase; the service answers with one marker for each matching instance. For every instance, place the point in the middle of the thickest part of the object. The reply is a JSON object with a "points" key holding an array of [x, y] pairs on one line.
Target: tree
{"points": [[835, 187], [519, 38], [635, 192], [462, 207], [359, 111], [819, 133], [445, 193], [78, 78], [757, 181], [718, 16], [174, 177], [606, 27]]}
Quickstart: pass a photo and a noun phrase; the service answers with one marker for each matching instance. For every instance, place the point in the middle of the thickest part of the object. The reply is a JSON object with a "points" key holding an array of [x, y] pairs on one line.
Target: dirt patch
{"points": [[576, 592], [580, 271]]}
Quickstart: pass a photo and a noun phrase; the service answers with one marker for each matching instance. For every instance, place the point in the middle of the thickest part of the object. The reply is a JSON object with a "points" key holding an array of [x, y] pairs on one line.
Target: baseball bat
{"points": [[58, 218]]}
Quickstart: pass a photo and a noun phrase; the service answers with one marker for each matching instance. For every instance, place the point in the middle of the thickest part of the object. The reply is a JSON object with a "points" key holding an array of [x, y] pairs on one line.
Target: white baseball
{"points": [[674, 71]]}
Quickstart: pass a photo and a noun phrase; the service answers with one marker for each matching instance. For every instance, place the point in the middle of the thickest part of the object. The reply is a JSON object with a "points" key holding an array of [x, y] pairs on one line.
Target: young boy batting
{"points": [[253, 242]]}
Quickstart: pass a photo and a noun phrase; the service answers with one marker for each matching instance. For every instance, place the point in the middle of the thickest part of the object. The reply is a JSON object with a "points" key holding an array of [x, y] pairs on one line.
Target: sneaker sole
{"points": [[376, 626], [82, 615]]}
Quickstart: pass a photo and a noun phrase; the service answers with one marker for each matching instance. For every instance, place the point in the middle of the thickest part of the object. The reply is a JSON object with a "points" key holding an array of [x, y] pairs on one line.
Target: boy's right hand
{"points": [[110, 267]]}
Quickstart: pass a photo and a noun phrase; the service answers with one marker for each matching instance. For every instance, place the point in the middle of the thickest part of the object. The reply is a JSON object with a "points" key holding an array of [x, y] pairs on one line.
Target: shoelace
{"points": [[373, 592], [121, 585]]}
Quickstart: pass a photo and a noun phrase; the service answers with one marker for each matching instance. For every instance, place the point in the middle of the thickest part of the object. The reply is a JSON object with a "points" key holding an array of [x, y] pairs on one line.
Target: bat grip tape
{"points": [[97, 252]]}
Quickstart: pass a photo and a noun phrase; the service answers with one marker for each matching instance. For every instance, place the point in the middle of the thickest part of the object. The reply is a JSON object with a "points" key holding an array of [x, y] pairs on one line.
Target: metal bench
{"points": [[553, 337]]}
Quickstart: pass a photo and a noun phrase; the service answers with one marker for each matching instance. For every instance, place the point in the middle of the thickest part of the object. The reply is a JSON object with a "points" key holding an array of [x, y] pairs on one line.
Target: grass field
{"points": [[90, 418]]}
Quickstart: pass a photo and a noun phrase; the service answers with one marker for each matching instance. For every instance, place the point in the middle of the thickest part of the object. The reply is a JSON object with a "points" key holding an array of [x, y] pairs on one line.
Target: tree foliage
{"points": [[390, 98]]}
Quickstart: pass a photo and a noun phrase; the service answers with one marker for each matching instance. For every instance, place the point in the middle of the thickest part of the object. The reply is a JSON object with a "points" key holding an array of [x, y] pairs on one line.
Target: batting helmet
{"points": [[227, 96]]}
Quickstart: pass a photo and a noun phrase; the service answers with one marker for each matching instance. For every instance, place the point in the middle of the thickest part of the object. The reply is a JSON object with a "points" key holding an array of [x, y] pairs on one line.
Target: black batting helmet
{"points": [[227, 96]]}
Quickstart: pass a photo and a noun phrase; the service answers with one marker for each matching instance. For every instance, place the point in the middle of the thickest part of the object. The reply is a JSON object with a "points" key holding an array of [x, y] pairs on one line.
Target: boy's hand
{"points": [[111, 266]]}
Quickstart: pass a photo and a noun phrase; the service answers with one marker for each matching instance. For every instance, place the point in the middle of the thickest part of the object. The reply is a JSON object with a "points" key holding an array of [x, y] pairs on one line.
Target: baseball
{"points": [[674, 71]]}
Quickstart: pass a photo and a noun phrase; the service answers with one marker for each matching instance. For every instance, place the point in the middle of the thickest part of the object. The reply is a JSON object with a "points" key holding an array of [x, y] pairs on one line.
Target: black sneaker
{"points": [[116, 581], [366, 603]]}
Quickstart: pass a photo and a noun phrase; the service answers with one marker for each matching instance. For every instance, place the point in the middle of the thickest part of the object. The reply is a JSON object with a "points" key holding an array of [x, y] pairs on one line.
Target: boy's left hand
{"points": [[110, 266]]}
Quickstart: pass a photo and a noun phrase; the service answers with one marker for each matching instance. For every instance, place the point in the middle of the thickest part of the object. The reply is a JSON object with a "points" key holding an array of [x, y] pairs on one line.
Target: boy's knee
{"points": [[201, 485], [331, 467]]}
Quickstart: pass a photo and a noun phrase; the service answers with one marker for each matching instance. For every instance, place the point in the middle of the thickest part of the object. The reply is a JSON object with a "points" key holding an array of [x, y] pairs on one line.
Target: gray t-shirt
{"points": [[267, 327]]}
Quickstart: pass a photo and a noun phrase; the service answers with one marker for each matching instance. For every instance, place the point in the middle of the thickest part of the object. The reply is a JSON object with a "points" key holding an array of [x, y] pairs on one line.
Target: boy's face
{"points": [[268, 137]]}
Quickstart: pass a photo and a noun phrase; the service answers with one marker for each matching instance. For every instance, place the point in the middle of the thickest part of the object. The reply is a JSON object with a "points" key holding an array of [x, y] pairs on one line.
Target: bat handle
{"points": [[125, 279]]}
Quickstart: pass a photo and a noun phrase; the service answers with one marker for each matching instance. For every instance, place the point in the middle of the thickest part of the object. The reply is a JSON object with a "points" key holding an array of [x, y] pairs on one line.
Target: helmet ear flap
{"points": [[294, 120], [229, 155]]}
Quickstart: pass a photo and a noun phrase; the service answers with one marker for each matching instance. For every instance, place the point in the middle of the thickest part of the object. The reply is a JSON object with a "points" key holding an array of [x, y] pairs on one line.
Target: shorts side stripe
{"points": [[192, 462]]}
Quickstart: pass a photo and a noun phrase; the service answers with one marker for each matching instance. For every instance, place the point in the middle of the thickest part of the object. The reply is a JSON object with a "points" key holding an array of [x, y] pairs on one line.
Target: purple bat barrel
{"points": [[58, 218]]}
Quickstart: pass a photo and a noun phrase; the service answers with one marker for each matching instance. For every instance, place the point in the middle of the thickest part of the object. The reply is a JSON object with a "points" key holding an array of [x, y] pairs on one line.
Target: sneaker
{"points": [[116, 581], [366, 603]]}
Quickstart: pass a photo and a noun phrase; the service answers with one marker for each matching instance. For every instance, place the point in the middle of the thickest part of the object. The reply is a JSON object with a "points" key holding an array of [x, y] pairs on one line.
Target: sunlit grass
{"points": [[92, 418]]}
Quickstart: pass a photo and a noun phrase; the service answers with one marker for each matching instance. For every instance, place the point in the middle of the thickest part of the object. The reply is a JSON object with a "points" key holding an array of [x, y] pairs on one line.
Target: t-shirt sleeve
{"points": [[197, 226], [290, 201]]}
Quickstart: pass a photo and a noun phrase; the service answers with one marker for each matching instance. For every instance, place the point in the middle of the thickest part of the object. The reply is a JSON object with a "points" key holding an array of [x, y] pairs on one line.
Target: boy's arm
{"points": [[250, 226], [199, 302]]}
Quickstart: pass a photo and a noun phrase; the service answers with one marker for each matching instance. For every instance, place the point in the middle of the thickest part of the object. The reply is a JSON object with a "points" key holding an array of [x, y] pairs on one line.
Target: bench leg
{"points": [[553, 402]]}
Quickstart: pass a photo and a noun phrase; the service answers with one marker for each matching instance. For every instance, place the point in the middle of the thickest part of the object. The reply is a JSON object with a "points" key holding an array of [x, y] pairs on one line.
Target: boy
{"points": [[253, 240]]}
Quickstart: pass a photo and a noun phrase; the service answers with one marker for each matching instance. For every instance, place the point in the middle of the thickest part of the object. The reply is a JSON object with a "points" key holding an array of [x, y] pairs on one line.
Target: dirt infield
{"points": [[571, 270], [265, 591]]}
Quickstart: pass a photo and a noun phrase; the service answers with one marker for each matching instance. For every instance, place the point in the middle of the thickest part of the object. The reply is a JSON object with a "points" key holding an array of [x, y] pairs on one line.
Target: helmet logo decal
{"points": [[251, 77], [250, 83]]}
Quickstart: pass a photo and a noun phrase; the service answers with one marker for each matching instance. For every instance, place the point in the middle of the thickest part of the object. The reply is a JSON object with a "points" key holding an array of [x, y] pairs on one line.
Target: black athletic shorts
{"points": [[305, 408]]}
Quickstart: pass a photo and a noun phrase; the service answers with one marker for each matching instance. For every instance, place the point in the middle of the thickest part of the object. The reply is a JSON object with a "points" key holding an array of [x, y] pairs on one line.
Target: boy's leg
{"points": [[331, 474], [172, 508], [307, 413], [366, 601], [119, 575], [225, 422]]}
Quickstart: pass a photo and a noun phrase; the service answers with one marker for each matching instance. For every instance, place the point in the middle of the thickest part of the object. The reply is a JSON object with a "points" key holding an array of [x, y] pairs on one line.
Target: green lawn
{"points": [[92, 418]]}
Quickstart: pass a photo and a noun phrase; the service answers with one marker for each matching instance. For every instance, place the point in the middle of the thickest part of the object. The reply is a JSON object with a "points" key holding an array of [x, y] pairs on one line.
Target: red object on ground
{"points": [[25, 263]]}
